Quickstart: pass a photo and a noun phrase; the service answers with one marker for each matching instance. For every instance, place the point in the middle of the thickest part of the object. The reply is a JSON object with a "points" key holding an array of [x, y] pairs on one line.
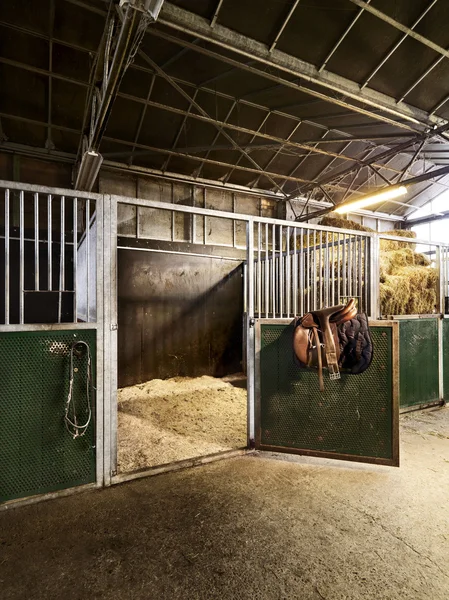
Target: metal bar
{"points": [[216, 13], [182, 20], [36, 241], [284, 25], [267, 274], [250, 334], [314, 273], [87, 258], [49, 244], [281, 273], [360, 273], [259, 272], [396, 46], [348, 29], [295, 272], [204, 217], [333, 270], [217, 135], [7, 225], [343, 260], [273, 273], [307, 280], [439, 105], [288, 266], [374, 251], [61, 260], [327, 278], [423, 76], [301, 271], [350, 250], [21, 256], [420, 38], [320, 271], [75, 259]]}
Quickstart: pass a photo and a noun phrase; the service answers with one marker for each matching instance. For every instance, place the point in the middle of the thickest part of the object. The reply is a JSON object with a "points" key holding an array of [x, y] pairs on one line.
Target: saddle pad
{"points": [[356, 345]]}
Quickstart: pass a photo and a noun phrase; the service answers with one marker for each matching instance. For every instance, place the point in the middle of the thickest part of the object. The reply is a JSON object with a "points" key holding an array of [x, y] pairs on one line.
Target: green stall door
{"points": [[37, 453], [418, 362]]}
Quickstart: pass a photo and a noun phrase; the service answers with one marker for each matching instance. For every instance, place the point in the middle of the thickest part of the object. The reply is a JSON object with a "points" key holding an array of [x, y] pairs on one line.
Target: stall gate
{"points": [[50, 340]]}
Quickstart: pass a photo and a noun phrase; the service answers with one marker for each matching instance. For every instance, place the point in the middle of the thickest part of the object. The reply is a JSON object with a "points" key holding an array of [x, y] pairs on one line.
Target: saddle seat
{"points": [[315, 339]]}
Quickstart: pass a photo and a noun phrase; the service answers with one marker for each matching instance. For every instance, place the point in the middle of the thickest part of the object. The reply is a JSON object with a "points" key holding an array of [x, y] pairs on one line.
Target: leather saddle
{"points": [[315, 339]]}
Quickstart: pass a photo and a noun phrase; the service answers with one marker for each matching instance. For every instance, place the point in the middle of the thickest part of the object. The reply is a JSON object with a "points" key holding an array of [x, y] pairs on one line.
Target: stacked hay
{"points": [[408, 282]]}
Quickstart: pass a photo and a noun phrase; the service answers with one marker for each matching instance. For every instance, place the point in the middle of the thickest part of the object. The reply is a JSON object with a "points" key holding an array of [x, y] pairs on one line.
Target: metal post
{"points": [[87, 258], [21, 257], [36, 242], [61, 260], [259, 272], [273, 273], [374, 276], [320, 271], [7, 217], [295, 272], [267, 274], [250, 358], [281, 281], [302, 260], [288, 286], [75, 259], [439, 266], [49, 244]]}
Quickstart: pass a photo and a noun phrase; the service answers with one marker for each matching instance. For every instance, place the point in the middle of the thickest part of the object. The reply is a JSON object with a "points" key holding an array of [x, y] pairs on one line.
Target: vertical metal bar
{"points": [[307, 268], [327, 277], [21, 256], [343, 260], [36, 242], [288, 267], [374, 276], [259, 272], [295, 272], [302, 260], [320, 270], [61, 260], [360, 275], [273, 270], [7, 213], [333, 270], [281, 274], [250, 350], [267, 274], [439, 266], [314, 273], [339, 270], [204, 217], [87, 257], [49, 244], [349, 254], [75, 259]]}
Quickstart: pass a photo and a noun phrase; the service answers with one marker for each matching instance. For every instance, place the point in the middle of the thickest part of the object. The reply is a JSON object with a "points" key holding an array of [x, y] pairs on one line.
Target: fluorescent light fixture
{"points": [[88, 171], [388, 194]]}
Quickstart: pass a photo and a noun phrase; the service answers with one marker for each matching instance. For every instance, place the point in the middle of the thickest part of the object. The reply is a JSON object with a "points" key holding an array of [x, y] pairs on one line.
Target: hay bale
{"points": [[389, 245], [343, 224]]}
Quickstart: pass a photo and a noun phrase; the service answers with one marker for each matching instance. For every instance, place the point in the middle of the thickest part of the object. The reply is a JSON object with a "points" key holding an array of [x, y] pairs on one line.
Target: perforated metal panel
{"points": [[445, 325], [418, 356], [37, 454], [354, 419]]}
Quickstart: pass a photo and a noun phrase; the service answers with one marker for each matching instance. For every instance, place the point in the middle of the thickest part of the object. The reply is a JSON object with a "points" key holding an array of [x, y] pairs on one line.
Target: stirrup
{"points": [[334, 373]]}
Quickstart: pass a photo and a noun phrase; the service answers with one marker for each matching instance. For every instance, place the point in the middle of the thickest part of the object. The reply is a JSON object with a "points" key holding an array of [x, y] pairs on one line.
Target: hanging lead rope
{"points": [[70, 416]]}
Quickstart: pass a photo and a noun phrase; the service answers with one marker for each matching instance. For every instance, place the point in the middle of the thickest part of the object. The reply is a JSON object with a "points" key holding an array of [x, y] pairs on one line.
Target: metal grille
{"points": [[353, 419], [297, 269], [418, 362], [37, 454], [47, 257]]}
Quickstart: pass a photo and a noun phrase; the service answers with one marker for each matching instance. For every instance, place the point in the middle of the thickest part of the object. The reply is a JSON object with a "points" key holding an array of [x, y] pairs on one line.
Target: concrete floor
{"points": [[258, 527]]}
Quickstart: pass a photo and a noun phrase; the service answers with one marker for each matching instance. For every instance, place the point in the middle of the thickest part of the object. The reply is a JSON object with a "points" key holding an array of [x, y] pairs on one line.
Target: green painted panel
{"points": [[354, 415], [37, 454], [445, 324], [418, 362]]}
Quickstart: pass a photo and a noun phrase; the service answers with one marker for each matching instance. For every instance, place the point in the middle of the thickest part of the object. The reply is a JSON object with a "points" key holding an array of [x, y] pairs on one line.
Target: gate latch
{"points": [[114, 326], [252, 322]]}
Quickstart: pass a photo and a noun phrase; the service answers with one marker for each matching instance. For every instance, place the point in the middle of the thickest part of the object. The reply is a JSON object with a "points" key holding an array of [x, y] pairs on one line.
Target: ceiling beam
{"points": [[196, 26], [397, 25], [398, 43], [284, 25]]}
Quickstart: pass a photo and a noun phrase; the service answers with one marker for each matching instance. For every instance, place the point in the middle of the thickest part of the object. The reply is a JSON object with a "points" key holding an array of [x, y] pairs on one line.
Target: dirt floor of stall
{"points": [[164, 421], [259, 527]]}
